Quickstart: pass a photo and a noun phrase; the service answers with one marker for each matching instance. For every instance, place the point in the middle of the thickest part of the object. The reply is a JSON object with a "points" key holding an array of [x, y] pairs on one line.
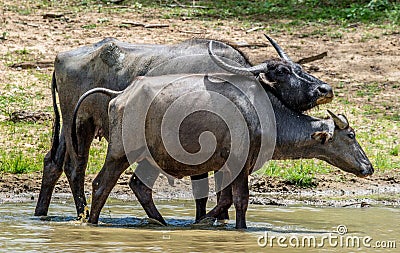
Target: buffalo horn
{"points": [[278, 49], [340, 120], [233, 69]]}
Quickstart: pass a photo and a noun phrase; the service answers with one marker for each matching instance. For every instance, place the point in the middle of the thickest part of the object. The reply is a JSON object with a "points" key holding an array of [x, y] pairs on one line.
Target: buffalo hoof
{"points": [[45, 217], [208, 221], [84, 216], [223, 221], [152, 221]]}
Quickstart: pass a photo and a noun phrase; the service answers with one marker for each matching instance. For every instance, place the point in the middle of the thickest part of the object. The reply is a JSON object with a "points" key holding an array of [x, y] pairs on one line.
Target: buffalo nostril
{"points": [[368, 171], [371, 170], [325, 90], [324, 93]]}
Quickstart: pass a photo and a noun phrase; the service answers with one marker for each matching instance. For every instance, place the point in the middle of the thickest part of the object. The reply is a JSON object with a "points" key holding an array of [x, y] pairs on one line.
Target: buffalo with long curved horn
{"points": [[280, 76], [278, 49], [253, 70], [234, 69]]}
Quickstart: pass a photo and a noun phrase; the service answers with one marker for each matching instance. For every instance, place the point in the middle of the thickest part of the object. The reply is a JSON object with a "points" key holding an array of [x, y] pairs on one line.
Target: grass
{"points": [[25, 144], [298, 12], [17, 163], [296, 172], [395, 150], [90, 26], [307, 10]]}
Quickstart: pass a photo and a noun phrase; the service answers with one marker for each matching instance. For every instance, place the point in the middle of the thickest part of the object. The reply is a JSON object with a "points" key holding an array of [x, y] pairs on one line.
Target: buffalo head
{"points": [[297, 89], [341, 149]]}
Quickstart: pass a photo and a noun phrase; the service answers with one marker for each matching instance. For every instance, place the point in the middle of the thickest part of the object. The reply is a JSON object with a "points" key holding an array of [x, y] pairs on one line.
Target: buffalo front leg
{"points": [[52, 171], [141, 183], [104, 183], [200, 190]]}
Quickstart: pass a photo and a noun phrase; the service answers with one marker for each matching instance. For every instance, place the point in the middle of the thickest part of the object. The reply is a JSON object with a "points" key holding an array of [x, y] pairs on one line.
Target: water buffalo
{"points": [[342, 154], [114, 64], [339, 148], [298, 136]]}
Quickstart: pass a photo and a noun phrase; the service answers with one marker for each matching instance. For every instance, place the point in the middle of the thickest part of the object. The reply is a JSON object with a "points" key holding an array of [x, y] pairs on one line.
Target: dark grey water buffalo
{"points": [[114, 64], [298, 136], [314, 139], [290, 145]]}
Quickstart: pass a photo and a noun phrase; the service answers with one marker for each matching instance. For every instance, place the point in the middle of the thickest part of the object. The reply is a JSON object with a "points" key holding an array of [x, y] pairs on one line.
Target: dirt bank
{"points": [[334, 189]]}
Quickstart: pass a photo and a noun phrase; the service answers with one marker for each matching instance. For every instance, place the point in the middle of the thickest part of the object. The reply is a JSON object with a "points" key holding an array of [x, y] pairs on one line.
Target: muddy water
{"points": [[124, 229]]}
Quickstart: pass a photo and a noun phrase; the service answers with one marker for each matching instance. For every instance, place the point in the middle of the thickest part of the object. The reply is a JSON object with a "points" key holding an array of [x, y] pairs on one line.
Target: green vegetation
{"points": [[17, 164], [23, 146], [29, 143], [343, 11], [89, 26], [296, 172], [395, 150], [298, 10]]}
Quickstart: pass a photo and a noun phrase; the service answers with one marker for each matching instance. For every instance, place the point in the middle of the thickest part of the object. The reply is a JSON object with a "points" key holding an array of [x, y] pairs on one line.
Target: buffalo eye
{"points": [[282, 70], [351, 135]]}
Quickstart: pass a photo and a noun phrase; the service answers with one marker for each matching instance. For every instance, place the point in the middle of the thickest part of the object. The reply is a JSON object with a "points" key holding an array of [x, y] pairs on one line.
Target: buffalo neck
{"points": [[294, 130]]}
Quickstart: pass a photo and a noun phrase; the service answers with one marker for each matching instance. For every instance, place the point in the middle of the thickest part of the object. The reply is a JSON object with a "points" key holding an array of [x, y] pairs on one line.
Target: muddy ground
{"points": [[357, 55], [334, 189]]}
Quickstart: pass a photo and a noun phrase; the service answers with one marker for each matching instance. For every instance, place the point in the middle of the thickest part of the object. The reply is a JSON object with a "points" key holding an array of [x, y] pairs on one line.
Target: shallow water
{"points": [[124, 228]]}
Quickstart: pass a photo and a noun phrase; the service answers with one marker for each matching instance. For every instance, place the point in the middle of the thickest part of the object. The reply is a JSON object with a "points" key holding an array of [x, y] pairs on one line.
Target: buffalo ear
{"points": [[263, 79], [322, 137]]}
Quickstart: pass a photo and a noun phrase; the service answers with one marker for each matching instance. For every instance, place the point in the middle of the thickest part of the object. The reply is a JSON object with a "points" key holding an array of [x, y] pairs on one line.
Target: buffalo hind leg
{"points": [[52, 171], [218, 179], [104, 183], [75, 167], [200, 189], [223, 205], [240, 191], [143, 190]]}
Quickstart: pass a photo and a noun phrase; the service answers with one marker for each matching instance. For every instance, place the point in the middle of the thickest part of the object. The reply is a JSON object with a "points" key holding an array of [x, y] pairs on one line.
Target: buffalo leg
{"points": [[76, 179], [143, 191], [223, 205], [240, 189], [218, 178], [52, 171], [104, 183], [201, 203], [75, 167], [200, 189]]}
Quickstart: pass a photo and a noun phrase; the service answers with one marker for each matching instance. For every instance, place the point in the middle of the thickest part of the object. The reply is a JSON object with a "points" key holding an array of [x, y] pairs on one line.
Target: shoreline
{"points": [[382, 189]]}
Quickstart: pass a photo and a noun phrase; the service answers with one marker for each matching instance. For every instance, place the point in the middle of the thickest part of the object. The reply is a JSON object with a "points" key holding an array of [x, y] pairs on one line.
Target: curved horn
{"points": [[233, 69], [278, 49], [340, 120]]}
